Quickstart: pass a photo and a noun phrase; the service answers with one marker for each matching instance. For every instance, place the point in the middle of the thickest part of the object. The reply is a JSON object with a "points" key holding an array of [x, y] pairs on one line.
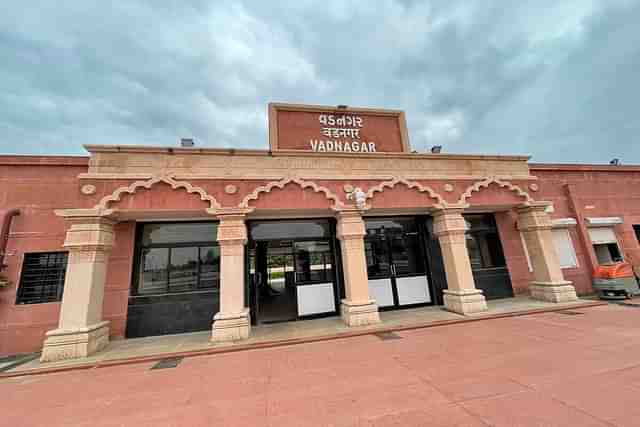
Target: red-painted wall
{"points": [[39, 185], [36, 186], [583, 191]]}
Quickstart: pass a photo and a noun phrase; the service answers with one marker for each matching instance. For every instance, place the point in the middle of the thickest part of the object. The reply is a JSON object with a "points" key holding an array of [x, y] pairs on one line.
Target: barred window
{"points": [[42, 278]]}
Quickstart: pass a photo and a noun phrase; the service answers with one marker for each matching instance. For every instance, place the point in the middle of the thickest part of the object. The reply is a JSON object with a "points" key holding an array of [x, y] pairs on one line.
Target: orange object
{"points": [[613, 271]]}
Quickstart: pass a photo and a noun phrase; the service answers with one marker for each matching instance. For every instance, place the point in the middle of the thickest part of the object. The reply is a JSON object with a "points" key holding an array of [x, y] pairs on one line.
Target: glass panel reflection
{"points": [[272, 230], [313, 262], [182, 257], [183, 274], [209, 267], [158, 234], [406, 254], [393, 241], [153, 271], [377, 255], [483, 242]]}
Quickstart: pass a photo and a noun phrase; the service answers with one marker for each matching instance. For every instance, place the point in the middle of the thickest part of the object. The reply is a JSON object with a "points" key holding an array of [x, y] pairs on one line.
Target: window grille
{"points": [[42, 278]]}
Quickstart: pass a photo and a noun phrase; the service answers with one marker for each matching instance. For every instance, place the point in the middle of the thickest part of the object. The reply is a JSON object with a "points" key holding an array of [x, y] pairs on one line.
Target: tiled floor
{"points": [[123, 349], [548, 369]]}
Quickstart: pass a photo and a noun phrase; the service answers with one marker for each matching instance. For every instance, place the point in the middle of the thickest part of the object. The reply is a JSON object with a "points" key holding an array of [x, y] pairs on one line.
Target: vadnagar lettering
{"points": [[341, 126], [342, 146]]}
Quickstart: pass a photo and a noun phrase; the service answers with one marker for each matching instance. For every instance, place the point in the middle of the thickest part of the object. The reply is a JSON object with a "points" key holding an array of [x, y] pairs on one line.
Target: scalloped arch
{"points": [[116, 196], [493, 180], [255, 194], [410, 184]]}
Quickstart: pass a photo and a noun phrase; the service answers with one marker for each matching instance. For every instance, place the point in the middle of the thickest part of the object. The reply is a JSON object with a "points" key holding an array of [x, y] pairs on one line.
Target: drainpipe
{"points": [[6, 216], [583, 231]]}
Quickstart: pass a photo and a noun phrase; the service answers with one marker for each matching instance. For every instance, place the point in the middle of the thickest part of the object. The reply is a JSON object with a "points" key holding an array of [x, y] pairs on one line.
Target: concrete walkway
{"points": [[153, 348], [580, 367]]}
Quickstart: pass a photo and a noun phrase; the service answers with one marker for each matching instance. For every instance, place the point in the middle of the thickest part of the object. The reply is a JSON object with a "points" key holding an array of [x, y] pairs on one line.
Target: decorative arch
{"points": [[116, 196], [329, 195], [493, 180], [410, 184]]}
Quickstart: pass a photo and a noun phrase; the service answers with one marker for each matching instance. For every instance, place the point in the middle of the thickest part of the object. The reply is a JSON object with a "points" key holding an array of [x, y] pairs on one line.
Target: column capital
{"points": [[449, 222], [232, 229], [224, 213], [90, 234], [350, 224], [534, 217]]}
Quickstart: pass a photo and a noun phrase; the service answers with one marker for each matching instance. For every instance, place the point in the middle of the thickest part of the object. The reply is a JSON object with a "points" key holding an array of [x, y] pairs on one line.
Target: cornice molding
{"points": [[255, 194], [410, 184], [493, 180], [147, 184]]}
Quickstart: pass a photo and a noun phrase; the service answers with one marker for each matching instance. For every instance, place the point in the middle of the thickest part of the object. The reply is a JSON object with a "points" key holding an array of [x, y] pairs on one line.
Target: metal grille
{"points": [[171, 362], [42, 278], [385, 336]]}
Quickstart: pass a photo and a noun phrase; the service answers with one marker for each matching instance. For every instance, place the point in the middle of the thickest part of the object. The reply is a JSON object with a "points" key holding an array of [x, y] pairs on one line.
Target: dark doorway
{"points": [[488, 264], [397, 263], [292, 270]]}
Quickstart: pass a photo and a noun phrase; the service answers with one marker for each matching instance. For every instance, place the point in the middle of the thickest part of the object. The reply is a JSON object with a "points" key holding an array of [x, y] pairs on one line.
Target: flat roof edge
{"points": [[583, 167], [289, 153], [43, 160]]}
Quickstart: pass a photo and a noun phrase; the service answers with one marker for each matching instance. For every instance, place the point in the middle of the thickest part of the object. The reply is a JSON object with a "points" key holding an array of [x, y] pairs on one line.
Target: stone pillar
{"points": [[357, 309], [232, 322], [81, 329], [549, 284], [461, 295]]}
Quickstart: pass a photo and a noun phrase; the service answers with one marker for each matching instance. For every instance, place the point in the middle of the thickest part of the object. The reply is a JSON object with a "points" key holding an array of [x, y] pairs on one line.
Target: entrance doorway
{"points": [[292, 270], [488, 264], [396, 262]]}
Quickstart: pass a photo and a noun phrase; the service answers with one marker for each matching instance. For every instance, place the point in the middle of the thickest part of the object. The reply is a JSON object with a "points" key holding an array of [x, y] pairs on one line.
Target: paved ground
{"points": [[307, 330], [547, 369]]}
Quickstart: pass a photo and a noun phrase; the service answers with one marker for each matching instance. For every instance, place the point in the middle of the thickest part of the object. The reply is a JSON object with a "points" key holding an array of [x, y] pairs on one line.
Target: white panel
{"points": [[315, 299], [563, 222], [606, 221], [413, 290], [564, 248], [602, 235], [380, 290]]}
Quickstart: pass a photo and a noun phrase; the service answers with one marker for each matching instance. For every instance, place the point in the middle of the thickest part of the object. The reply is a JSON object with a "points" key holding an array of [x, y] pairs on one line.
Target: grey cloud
{"points": [[552, 79]]}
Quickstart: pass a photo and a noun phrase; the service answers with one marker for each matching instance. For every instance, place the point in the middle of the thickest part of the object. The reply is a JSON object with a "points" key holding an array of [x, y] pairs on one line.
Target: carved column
{"points": [[232, 322], [461, 295], [81, 329], [549, 283], [357, 309]]}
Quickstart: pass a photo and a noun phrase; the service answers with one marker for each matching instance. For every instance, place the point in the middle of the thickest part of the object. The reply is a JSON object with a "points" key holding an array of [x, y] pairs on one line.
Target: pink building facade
{"points": [[138, 241]]}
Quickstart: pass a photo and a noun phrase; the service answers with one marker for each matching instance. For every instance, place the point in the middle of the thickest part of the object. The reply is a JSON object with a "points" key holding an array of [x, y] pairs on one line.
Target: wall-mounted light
{"points": [[187, 142]]}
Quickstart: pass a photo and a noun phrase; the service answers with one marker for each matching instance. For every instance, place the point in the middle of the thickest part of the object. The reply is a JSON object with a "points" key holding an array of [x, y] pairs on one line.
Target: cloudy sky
{"points": [[559, 80]]}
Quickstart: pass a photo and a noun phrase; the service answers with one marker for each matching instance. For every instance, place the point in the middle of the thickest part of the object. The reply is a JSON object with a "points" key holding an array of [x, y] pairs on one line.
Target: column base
{"points": [[63, 344], [465, 302], [553, 291], [359, 314], [231, 326]]}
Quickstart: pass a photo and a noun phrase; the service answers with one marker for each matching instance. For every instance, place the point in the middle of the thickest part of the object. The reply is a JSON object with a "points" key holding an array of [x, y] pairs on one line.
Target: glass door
{"points": [[396, 263], [379, 266], [292, 271]]}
